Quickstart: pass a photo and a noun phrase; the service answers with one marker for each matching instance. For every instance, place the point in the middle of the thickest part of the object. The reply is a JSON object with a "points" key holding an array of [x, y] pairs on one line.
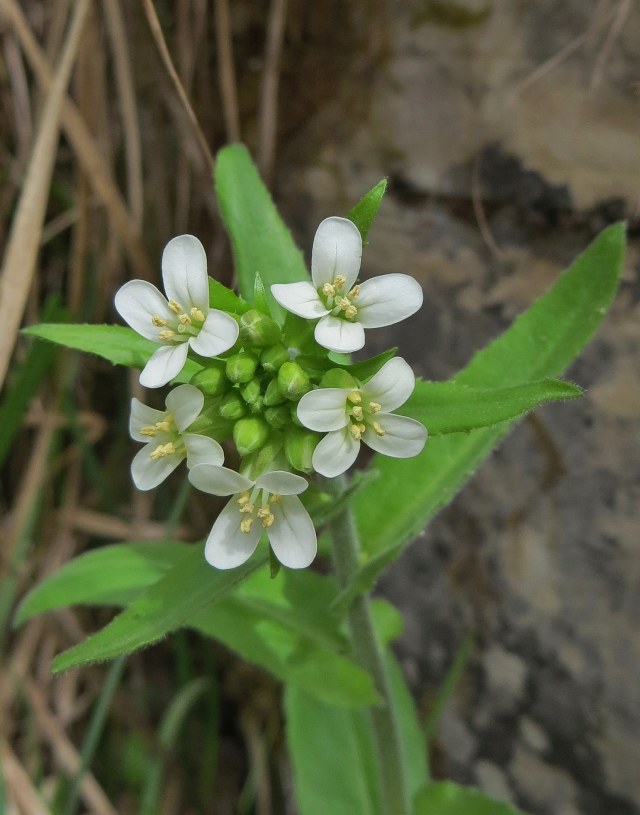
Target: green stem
{"points": [[368, 653]]}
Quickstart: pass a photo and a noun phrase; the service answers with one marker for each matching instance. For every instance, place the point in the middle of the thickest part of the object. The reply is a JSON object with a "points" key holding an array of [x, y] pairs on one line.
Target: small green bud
{"points": [[272, 358], [257, 329], [278, 416], [272, 395], [268, 456], [241, 367], [257, 405], [232, 406], [250, 434], [251, 391], [293, 381], [293, 413], [212, 380], [298, 448], [211, 423], [338, 378]]}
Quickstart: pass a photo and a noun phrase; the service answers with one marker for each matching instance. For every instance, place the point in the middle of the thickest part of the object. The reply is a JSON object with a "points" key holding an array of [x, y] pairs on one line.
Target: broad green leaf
{"points": [[447, 798], [365, 210], [541, 343], [118, 344], [259, 239], [225, 299], [450, 407], [110, 575], [168, 604]]}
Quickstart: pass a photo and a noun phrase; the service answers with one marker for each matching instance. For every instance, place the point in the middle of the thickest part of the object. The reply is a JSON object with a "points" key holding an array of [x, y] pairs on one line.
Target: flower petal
{"points": [[141, 416], [403, 437], [227, 545], [202, 450], [387, 299], [335, 453], [217, 335], [163, 365], [137, 302], [324, 409], [292, 534], [218, 480], [299, 298], [282, 483], [339, 335], [146, 472], [184, 272], [392, 385], [337, 249], [185, 404]]}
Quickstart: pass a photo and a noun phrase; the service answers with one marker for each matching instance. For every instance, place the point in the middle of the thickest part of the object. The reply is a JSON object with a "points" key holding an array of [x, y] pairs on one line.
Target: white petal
{"points": [[403, 437], [324, 409], [146, 472], [218, 480], [337, 249], [299, 298], [137, 302], [185, 404], [142, 416], [202, 450], [217, 335], [392, 385], [387, 299], [184, 272], [292, 535], [335, 453], [164, 365], [227, 545], [339, 335], [282, 483]]}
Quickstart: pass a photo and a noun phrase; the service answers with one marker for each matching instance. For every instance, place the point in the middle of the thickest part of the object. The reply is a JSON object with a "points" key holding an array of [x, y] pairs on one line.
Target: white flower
{"points": [[185, 320], [270, 504], [167, 442], [350, 416], [345, 309]]}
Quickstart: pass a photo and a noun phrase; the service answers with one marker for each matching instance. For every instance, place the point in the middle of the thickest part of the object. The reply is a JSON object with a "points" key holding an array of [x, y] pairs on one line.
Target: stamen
{"points": [[162, 450], [244, 498], [149, 430], [167, 335], [343, 303], [354, 397], [328, 290], [356, 432], [245, 525], [164, 426], [247, 508], [374, 407], [175, 307], [267, 517], [275, 499], [378, 428], [197, 315], [158, 321], [339, 282], [357, 412], [185, 319], [355, 291], [350, 312]]}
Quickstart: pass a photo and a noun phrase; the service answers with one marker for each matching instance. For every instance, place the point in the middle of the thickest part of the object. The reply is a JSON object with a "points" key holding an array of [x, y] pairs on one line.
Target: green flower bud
{"points": [[250, 434], [293, 381], [251, 391], [257, 405], [338, 378], [298, 448], [212, 380], [272, 358], [232, 406], [211, 423], [278, 416], [268, 457], [241, 367], [293, 412], [272, 395], [257, 329]]}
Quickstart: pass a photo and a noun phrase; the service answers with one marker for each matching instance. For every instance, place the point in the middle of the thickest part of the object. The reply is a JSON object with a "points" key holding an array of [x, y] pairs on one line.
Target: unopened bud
{"points": [[272, 395], [250, 434], [241, 367], [338, 378], [258, 330], [293, 381], [298, 448], [211, 423], [251, 391], [278, 416], [232, 406], [272, 358], [212, 380]]}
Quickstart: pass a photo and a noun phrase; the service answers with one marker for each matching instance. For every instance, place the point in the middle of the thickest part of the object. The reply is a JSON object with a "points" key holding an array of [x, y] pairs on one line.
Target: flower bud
{"points": [[232, 406], [211, 423], [293, 381], [272, 358], [338, 378], [272, 395], [278, 416], [212, 380], [250, 434], [298, 448], [241, 367], [251, 391], [258, 330], [269, 455]]}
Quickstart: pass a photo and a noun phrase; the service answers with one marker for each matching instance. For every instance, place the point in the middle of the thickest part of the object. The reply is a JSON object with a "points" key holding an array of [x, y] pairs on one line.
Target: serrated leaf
{"points": [[260, 241], [366, 209], [447, 798], [225, 299]]}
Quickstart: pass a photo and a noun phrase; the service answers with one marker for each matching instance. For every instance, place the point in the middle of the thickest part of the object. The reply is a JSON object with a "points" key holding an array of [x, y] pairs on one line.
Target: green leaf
{"points": [[259, 239], [447, 798], [449, 407], [168, 604], [118, 344], [111, 575], [225, 299], [260, 295], [365, 210], [541, 343], [365, 369]]}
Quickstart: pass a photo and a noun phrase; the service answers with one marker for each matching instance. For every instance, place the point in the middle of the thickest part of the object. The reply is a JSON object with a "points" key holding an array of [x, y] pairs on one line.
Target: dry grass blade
{"points": [[88, 153], [269, 92], [24, 240], [620, 18], [228, 87], [19, 784]]}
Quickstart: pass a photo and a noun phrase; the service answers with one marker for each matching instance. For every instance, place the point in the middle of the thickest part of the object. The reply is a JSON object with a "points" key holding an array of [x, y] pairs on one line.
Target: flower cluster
{"points": [[272, 388]]}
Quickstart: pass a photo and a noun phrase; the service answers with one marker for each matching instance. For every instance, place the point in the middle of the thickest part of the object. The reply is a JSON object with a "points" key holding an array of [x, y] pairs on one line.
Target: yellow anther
{"points": [[355, 291], [339, 282], [357, 412], [354, 397], [175, 307], [158, 321], [356, 432], [164, 426], [343, 302], [149, 430], [162, 450], [245, 525], [267, 517], [184, 319], [197, 315], [247, 508], [264, 511], [350, 312], [374, 407], [275, 499], [328, 290], [377, 427], [244, 498], [167, 335]]}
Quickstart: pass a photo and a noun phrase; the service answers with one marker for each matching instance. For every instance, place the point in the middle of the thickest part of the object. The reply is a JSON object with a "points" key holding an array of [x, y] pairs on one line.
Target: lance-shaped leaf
{"points": [[367, 207], [447, 798]]}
